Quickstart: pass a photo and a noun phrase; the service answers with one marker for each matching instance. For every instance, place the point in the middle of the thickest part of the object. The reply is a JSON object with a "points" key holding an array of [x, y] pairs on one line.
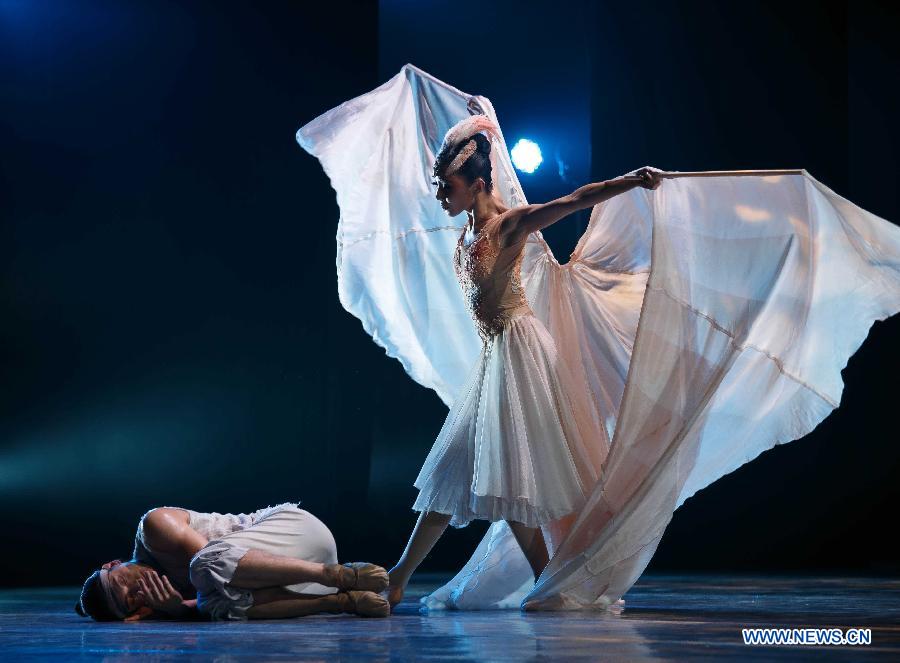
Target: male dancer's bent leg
{"points": [[288, 556]]}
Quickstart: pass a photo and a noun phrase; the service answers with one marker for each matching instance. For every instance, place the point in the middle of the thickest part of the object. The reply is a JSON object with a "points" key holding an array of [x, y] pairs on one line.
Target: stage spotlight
{"points": [[526, 155]]}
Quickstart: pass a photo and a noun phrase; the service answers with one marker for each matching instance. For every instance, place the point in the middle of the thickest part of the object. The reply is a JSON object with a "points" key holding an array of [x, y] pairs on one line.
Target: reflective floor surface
{"points": [[666, 617]]}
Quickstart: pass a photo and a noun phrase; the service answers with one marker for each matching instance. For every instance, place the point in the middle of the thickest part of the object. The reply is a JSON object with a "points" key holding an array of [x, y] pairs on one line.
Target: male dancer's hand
{"points": [[159, 594]]}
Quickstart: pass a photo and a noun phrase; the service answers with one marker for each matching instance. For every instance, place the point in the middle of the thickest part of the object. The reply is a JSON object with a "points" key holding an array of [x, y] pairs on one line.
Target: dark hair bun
{"points": [[483, 143], [477, 165]]}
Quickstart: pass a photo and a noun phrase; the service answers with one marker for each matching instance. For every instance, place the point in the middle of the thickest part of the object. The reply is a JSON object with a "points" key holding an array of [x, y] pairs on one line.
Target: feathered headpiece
{"points": [[463, 131]]}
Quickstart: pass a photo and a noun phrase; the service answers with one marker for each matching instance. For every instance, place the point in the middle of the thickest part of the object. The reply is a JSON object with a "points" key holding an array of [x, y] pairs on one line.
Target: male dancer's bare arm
{"points": [[168, 531]]}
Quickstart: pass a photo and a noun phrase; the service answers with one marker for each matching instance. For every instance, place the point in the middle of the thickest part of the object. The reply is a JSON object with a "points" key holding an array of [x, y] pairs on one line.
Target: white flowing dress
{"points": [[707, 320], [522, 441]]}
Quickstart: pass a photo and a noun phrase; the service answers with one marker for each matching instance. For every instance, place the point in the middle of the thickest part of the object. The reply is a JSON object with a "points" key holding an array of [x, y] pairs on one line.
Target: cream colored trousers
{"points": [[289, 531]]}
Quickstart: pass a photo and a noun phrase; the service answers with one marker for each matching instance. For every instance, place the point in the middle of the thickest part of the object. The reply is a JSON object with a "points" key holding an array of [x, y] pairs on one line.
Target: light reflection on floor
{"points": [[666, 617]]}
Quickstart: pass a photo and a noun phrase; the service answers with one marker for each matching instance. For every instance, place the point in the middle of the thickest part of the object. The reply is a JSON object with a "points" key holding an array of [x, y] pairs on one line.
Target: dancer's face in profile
{"points": [[455, 193], [123, 578]]}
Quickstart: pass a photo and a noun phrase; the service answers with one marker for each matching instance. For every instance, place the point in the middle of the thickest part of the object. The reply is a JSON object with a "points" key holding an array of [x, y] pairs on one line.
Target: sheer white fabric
{"points": [[709, 320]]}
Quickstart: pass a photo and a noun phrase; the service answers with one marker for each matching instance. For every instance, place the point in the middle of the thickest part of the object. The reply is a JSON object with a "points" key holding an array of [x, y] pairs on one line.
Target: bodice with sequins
{"points": [[491, 280]]}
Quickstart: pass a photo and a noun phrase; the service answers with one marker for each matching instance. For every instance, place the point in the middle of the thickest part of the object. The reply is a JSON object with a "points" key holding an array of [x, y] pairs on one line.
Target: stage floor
{"points": [[666, 617]]}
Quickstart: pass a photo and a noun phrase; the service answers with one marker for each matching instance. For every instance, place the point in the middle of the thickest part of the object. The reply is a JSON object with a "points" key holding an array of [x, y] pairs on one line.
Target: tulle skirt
{"points": [[517, 444]]}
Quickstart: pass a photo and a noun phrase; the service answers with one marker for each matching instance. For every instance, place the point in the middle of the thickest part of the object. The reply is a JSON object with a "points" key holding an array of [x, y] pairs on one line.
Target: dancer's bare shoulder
{"points": [[511, 227], [526, 219], [168, 530]]}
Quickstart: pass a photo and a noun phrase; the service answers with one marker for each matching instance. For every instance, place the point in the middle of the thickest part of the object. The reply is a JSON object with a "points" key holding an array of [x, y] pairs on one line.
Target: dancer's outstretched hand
{"points": [[159, 594], [650, 179]]}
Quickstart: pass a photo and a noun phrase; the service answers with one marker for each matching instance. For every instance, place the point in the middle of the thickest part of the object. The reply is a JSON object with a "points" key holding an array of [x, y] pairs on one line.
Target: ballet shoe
{"points": [[360, 576], [367, 604]]}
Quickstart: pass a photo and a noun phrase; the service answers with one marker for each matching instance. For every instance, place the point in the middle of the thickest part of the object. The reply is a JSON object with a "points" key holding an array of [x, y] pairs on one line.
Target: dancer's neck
{"points": [[486, 208]]}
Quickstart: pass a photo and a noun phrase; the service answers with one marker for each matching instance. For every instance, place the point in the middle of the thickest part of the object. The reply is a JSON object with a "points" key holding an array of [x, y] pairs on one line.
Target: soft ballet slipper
{"points": [[368, 604], [361, 576]]}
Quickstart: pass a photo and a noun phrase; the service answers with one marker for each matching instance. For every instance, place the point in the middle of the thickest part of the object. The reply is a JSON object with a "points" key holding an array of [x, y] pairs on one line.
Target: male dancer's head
{"points": [[112, 592]]}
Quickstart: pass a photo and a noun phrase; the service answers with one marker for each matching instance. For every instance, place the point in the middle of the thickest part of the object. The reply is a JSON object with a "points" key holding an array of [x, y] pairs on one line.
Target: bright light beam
{"points": [[526, 155]]}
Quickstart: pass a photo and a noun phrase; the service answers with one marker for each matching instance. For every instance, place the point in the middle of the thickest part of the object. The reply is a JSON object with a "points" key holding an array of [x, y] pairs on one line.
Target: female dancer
{"points": [[697, 326], [276, 562], [519, 444]]}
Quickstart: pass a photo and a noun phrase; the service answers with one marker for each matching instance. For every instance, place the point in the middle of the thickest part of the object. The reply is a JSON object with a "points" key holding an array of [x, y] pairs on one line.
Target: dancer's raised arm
{"points": [[529, 218]]}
